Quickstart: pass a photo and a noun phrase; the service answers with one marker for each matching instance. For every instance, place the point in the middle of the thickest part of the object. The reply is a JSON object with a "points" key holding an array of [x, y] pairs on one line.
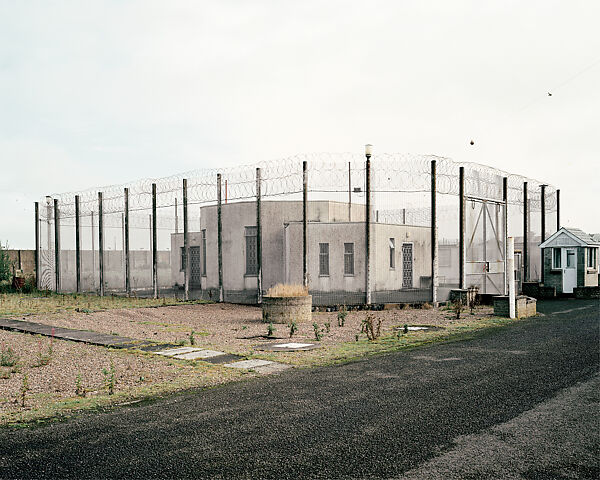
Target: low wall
{"points": [[524, 306], [586, 292]]}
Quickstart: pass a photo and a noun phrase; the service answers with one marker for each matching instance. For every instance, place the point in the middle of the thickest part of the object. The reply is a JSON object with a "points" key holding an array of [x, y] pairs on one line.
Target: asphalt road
{"points": [[516, 402]]}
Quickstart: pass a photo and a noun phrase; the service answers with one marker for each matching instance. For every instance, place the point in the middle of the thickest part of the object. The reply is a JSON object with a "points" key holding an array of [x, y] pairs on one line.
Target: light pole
{"points": [[368, 153]]}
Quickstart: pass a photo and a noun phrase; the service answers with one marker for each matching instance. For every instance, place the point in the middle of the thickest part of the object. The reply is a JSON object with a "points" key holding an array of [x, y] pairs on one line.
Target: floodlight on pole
{"points": [[368, 150]]}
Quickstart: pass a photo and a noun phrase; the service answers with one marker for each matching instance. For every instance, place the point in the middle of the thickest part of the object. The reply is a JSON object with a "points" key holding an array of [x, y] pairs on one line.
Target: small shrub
{"points": [[293, 328], [8, 357], [370, 327], [43, 358], [285, 290], [24, 389], [457, 308], [318, 332], [192, 338], [405, 329], [110, 378], [341, 316], [79, 389], [426, 306], [270, 330], [327, 327]]}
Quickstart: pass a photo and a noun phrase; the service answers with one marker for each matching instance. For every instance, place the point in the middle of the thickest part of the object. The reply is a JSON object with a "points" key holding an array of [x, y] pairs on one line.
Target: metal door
{"points": [[569, 262], [407, 265], [195, 271]]}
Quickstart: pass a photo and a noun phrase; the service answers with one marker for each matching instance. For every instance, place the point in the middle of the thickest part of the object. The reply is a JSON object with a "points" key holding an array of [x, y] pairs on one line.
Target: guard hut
{"points": [[571, 262]]}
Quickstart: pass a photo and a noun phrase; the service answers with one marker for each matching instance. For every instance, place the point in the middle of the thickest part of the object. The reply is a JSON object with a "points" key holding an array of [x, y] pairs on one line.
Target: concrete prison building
{"points": [[400, 254]]}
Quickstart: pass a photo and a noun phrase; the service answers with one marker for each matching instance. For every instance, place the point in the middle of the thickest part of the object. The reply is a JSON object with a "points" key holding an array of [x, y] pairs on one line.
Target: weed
{"points": [[318, 332], [457, 307], [79, 389], [405, 328], [24, 389], [8, 357], [270, 330], [192, 338], [284, 290], [356, 337], [293, 328], [43, 358], [327, 327], [110, 378], [426, 306], [181, 343], [368, 327], [341, 316]]}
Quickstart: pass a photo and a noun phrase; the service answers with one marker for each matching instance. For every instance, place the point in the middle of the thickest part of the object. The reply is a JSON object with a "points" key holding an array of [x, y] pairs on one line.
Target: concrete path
{"points": [[85, 336], [168, 350]]}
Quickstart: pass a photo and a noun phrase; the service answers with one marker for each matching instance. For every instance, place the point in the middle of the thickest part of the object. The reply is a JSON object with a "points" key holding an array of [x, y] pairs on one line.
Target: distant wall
{"points": [[22, 260]]}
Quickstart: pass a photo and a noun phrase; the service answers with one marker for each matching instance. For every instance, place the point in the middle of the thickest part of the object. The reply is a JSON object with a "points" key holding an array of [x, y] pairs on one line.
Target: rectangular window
{"points": [[324, 259], [251, 251], [556, 258], [203, 268], [348, 259], [392, 253], [592, 257], [182, 256], [570, 258]]}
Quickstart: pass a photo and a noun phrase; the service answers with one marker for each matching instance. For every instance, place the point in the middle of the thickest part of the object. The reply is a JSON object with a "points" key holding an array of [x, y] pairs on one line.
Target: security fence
{"points": [[391, 228]]}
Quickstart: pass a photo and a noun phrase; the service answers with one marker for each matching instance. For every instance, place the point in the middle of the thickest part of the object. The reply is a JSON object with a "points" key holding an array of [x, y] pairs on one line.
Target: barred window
{"points": [[251, 251], [392, 253], [348, 259], [203, 267], [324, 259]]}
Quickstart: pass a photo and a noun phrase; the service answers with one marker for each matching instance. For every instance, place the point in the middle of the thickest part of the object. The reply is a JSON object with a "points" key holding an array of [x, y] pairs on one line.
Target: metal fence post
{"points": [[126, 242], [37, 244], [543, 207], [57, 245], [101, 243], [258, 238], [505, 235], [154, 245], [77, 246], [461, 228], [368, 225], [349, 192], [525, 234], [220, 238], [176, 217], [304, 224], [186, 243], [557, 210], [434, 234]]}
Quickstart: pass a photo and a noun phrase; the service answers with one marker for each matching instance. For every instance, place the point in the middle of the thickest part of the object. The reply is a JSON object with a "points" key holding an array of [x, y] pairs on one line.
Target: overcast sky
{"points": [[98, 93]]}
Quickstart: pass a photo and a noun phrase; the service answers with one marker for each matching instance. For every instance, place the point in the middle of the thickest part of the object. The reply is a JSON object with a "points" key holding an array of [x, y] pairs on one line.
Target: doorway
{"points": [[570, 269]]}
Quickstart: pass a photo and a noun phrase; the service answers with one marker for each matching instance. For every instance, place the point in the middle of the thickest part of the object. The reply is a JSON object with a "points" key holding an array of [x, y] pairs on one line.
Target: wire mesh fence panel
{"points": [[46, 274], [68, 266], [254, 237]]}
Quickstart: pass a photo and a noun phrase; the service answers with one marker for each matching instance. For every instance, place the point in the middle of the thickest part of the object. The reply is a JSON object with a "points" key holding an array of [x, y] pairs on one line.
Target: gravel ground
{"points": [[235, 328], [56, 380]]}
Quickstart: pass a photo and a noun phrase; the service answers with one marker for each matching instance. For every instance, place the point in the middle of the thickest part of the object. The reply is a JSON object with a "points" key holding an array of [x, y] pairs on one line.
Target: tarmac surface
{"points": [[515, 402]]}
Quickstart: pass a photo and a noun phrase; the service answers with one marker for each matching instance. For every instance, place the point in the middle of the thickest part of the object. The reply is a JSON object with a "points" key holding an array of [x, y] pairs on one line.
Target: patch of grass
{"points": [[49, 302]]}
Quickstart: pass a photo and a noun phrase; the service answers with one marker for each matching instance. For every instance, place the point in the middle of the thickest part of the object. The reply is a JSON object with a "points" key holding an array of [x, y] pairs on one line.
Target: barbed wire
{"points": [[327, 172]]}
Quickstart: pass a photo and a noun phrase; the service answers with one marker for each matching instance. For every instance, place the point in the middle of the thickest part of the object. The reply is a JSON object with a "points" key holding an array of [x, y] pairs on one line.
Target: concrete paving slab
{"points": [[274, 367], [287, 346], [201, 354], [222, 359], [171, 352], [248, 364]]}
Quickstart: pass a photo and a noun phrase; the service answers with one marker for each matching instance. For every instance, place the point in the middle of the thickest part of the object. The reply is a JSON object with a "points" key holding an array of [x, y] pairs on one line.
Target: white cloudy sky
{"points": [[103, 92]]}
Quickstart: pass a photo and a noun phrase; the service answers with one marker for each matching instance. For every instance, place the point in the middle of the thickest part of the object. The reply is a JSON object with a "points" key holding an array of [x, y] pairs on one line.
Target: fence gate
{"points": [[485, 245]]}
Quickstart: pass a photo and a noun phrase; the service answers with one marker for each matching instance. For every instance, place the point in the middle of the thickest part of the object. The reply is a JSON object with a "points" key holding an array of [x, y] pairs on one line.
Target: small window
{"points": [[392, 253], [251, 251], [182, 257], [592, 257], [570, 258], [348, 259], [556, 258], [324, 259], [203, 267]]}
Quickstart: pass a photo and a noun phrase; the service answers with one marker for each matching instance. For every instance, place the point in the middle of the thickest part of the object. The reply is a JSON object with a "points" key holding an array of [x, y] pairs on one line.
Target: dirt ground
{"points": [[239, 328]]}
